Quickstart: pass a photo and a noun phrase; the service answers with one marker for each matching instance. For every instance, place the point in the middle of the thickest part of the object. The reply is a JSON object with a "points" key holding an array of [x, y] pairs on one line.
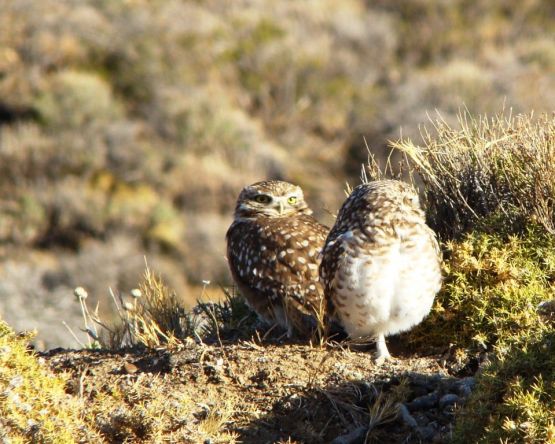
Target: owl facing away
{"points": [[381, 263], [273, 248]]}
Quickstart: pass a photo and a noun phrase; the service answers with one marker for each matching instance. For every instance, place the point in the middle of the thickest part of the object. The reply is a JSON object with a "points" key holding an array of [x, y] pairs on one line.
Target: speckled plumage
{"points": [[273, 253], [381, 262]]}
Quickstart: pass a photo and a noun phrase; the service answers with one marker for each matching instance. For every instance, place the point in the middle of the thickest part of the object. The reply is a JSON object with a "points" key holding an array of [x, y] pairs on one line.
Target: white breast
{"points": [[386, 291]]}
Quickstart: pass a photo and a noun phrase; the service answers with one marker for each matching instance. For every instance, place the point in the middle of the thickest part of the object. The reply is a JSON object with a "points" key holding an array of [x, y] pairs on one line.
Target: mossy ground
{"points": [[235, 390], [35, 406], [489, 306]]}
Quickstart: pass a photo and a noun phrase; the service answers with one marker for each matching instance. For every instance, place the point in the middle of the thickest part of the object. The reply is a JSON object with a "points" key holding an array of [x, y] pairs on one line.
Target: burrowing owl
{"points": [[381, 263], [273, 248]]}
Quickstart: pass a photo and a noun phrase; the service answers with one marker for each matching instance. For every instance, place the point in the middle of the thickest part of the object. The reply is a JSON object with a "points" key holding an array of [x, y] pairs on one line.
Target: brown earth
{"points": [[266, 392]]}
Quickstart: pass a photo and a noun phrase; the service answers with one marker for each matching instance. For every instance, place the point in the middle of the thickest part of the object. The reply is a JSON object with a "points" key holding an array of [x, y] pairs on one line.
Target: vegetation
{"points": [[492, 174], [35, 406], [489, 185], [498, 270]]}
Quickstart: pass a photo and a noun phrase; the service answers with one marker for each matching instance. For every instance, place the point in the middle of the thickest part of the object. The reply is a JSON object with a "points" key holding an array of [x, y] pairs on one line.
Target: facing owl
{"points": [[381, 263], [273, 248]]}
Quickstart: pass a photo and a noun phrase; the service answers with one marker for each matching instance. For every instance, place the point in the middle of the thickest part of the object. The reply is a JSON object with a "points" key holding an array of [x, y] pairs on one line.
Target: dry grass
{"points": [[213, 426], [485, 169]]}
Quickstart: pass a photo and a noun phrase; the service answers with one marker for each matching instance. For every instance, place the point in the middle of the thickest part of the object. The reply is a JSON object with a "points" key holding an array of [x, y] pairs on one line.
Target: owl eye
{"points": [[262, 198], [292, 200]]}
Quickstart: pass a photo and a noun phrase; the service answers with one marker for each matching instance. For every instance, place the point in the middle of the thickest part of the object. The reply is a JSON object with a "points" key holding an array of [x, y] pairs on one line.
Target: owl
{"points": [[380, 263], [273, 248]]}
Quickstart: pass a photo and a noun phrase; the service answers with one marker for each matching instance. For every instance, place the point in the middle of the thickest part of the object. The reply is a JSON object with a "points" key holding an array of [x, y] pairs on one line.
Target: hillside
{"points": [[128, 128]]}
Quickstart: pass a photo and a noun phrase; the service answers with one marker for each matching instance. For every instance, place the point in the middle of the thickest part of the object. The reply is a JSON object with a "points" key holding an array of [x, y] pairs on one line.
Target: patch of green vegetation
{"points": [[492, 286], [490, 189], [34, 406], [514, 400]]}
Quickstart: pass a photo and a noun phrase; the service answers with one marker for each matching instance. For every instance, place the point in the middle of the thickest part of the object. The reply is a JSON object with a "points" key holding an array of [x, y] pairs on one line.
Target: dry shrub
{"points": [[154, 317], [76, 100], [500, 167]]}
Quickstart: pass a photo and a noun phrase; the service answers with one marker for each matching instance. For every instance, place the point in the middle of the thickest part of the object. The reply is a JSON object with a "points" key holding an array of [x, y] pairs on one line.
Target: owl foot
{"points": [[382, 353]]}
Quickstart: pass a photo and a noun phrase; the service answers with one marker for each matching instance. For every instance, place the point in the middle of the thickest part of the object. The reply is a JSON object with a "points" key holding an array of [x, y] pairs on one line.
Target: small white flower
{"points": [[80, 293]]}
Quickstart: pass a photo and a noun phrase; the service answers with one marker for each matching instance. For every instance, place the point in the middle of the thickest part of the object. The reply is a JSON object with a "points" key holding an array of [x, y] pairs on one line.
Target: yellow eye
{"points": [[262, 198], [292, 200]]}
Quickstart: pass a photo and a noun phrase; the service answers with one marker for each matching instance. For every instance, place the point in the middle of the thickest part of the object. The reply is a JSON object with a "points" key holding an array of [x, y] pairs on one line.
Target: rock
{"points": [[357, 436], [427, 433], [130, 368], [407, 417], [423, 402], [448, 400], [465, 386], [422, 418], [547, 308]]}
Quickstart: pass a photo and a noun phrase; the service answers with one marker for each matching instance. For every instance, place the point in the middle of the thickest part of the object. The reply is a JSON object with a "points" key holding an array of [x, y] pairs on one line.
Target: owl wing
{"points": [[275, 264], [332, 255]]}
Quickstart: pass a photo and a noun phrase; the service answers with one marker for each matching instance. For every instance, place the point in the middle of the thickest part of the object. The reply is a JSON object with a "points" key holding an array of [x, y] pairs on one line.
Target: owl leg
{"points": [[382, 353]]}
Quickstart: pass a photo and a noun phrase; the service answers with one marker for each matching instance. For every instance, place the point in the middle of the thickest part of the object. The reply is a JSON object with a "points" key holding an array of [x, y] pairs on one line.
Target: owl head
{"points": [[383, 202], [271, 198], [389, 194]]}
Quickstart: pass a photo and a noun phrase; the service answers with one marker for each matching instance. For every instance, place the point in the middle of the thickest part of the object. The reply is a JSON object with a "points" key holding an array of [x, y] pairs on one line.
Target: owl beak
{"points": [[281, 207]]}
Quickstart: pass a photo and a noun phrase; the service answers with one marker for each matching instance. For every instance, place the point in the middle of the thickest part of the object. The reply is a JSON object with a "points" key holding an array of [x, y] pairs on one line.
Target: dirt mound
{"points": [[272, 392]]}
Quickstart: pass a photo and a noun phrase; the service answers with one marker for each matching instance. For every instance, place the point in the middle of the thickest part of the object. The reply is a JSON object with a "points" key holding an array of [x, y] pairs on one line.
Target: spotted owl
{"points": [[273, 248], [381, 263]]}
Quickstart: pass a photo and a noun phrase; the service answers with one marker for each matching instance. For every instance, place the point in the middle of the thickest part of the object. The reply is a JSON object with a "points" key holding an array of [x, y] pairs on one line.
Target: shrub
{"points": [[489, 169], [35, 406], [491, 194], [514, 400], [492, 286], [76, 99]]}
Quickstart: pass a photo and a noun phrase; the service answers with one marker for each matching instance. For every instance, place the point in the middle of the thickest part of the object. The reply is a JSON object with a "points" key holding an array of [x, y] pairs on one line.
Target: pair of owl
{"points": [[376, 271]]}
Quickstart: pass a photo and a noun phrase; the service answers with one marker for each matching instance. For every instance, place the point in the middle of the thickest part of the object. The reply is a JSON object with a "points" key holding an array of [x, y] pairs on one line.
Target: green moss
{"points": [[492, 286], [34, 406], [514, 400]]}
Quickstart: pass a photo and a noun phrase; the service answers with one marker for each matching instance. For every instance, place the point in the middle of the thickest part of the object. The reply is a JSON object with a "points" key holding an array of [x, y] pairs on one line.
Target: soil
{"points": [[280, 391]]}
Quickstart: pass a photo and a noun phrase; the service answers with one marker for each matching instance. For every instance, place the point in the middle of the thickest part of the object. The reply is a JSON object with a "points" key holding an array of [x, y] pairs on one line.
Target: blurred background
{"points": [[127, 128]]}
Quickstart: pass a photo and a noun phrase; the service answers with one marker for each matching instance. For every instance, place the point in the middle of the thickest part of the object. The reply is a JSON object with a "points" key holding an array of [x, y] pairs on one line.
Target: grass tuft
{"points": [[230, 318], [487, 170], [153, 317]]}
